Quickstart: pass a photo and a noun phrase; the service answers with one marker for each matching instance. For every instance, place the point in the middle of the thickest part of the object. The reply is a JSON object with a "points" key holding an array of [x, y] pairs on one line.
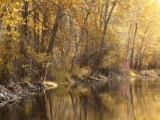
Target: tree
{"points": [[106, 22]]}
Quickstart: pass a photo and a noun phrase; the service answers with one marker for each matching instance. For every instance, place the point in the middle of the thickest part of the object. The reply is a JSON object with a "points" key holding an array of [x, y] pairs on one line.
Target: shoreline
{"points": [[16, 92]]}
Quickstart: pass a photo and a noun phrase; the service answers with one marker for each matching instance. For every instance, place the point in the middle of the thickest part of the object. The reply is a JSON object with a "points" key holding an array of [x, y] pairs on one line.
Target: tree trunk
{"points": [[36, 33], [81, 38], [23, 42], [138, 56], [128, 42], [106, 22], [24, 31], [54, 31], [133, 47], [44, 32]]}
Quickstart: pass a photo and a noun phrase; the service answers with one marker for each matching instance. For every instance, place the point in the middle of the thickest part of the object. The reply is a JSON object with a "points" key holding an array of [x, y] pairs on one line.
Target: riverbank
{"points": [[105, 76], [15, 92]]}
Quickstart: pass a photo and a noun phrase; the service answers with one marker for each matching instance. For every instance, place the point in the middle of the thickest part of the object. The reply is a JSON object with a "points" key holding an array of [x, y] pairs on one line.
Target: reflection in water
{"points": [[30, 110], [115, 100]]}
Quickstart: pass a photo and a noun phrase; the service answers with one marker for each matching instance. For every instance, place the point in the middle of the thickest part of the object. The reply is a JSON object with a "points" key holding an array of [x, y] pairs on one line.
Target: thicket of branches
{"points": [[50, 39]]}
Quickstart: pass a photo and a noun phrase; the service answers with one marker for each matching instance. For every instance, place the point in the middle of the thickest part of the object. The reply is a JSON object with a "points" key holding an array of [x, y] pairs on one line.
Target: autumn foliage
{"points": [[43, 39]]}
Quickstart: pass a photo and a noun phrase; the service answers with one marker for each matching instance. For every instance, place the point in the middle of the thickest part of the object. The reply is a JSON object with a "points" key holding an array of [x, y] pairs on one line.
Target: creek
{"points": [[112, 100]]}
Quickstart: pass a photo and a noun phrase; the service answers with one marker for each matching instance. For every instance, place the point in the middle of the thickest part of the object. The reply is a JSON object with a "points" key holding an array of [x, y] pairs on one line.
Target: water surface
{"points": [[114, 100]]}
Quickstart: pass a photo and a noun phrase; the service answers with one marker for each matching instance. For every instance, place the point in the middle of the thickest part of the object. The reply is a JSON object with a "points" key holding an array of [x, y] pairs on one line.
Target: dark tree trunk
{"points": [[54, 31], [44, 34], [36, 33], [23, 41]]}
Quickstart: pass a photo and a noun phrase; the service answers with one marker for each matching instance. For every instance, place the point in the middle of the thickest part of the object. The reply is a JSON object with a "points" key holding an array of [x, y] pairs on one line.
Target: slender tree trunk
{"points": [[106, 22], [54, 31], [75, 55], [133, 47], [36, 33], [128, 42], [81, 38], [21, 72], [138, 56], [24, 30], [44, 33], [142, 55]]}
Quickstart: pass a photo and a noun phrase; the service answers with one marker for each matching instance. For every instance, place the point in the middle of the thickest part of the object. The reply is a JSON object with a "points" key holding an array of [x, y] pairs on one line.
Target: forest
{"points": [[63, 39]]}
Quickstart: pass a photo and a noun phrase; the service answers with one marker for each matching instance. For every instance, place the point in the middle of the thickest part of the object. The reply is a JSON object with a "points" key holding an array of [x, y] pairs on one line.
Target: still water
{"points": [[114, 100]]}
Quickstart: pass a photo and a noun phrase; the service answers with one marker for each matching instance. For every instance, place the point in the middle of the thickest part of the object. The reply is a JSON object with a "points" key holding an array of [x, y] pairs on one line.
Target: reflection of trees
{"points": [[84, 106], [92, 100], [111, 100], [74, 105], [50, 105], [145, 92], [30, 110], [40, 110], [98, 102], [117, 90]]}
